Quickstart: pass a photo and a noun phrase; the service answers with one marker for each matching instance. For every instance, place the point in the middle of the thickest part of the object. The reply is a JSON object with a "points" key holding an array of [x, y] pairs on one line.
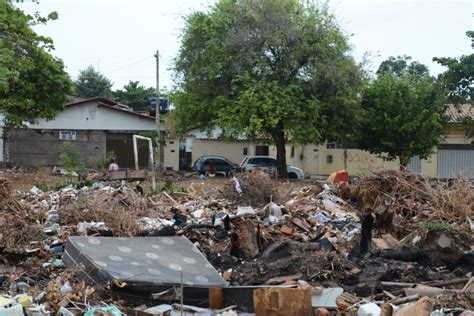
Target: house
{"points": [[453, 157], [95, 126], [180, 154]]}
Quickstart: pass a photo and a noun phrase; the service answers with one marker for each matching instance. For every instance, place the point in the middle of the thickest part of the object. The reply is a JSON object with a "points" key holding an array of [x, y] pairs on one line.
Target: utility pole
{"points": [[159, 131]]}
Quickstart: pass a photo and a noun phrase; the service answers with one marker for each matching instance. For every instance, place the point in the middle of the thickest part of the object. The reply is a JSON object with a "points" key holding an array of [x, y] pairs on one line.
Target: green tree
{"points": [[91, 83], [33, 83], [458, 81], [135, 95], [401, 65], [274, 69], [459, 77], [402, 115]]}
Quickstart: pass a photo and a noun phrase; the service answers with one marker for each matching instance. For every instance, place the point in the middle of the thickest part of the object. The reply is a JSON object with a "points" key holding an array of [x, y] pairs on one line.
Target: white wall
{"points": [[93, 116]]}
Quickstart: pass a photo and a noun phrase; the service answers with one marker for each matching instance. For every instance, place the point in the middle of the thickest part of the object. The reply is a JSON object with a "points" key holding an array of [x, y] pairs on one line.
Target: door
{"points": [[185, 158], [261, 150], [456, 160], [121, 147], [415, 164]]}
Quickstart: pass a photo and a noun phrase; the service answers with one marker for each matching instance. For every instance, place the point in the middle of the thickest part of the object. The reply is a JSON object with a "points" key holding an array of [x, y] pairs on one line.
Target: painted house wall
{"points": [[234, 151], [358, 162], [313, 158], [171, 160], [457, 136], [429, 166], [95, 125], [93, 116]]}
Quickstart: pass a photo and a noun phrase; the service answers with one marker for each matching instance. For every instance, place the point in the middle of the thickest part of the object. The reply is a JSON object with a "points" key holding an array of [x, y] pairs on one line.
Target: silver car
{"points": [[269, 164]]}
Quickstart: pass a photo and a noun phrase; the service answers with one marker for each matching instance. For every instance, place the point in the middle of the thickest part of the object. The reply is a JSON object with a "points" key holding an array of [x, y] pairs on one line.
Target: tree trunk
{"points": [[404, 163], [281, 154]]}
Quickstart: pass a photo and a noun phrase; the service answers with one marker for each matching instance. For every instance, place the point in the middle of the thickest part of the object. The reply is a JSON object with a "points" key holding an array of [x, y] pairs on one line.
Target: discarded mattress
{"points": [[151, 261]]}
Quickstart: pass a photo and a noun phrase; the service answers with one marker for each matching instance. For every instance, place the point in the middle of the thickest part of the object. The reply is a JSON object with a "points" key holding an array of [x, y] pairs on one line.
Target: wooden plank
{"points": [[301, 224], [279, 280], [397, 284], [282, 302], [216, 300]]}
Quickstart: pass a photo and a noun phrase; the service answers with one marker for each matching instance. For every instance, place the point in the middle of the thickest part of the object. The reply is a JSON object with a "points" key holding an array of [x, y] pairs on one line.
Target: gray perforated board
{"points": [[146, 260]]}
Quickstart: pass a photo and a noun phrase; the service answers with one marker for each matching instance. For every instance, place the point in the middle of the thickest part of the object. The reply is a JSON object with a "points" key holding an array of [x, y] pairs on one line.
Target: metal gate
{"points": [[415, 164], [456, 160]]}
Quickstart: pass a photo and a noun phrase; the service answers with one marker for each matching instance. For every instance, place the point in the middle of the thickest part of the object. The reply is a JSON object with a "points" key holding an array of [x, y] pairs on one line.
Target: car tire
{"points": [[230, 174], [292, 175]]}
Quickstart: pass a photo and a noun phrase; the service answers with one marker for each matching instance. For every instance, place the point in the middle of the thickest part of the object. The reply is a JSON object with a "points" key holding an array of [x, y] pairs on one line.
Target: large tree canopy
{"points": [[273, 69], [459, 77], [33, 83], [402, 113], [401, 65], [91, 83], [135, 95]]}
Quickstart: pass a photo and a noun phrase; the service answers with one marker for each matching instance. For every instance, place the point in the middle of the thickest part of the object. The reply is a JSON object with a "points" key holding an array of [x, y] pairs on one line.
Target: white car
{"points": [[269, 164]]}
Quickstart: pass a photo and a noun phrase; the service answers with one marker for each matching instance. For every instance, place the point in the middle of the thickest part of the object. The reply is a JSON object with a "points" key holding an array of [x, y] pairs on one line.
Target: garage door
{"points": [[456, 160], [415, 164]]}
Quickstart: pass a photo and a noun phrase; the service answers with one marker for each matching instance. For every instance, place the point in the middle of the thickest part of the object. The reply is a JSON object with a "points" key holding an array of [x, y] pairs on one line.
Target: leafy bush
{"points": [[42, 186], [103, 163], [71, 158], [435, 226]]}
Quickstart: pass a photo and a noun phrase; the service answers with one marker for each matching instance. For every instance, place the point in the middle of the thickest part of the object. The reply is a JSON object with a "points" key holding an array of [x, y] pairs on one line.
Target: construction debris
{"points": [[272, 247]]}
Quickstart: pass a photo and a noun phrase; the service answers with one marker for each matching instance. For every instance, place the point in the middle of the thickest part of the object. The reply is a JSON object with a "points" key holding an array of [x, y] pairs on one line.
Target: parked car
{"points": [[269, 164], [221, 164]]}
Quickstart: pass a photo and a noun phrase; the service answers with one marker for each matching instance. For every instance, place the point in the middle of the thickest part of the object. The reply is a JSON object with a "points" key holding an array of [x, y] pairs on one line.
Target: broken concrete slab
{"points": [[327, 298]]}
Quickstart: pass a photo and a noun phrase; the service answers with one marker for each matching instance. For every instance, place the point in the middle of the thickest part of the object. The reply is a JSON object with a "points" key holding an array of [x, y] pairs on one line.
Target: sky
{"points": [[120, 38]]}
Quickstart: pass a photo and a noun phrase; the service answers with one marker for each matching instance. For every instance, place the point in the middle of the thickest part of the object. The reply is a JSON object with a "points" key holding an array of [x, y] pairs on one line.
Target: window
{"points": [[67, 135], [246, 151], [261, 150], [333, 145], [292, 151], [329, 159], [220, 162]]}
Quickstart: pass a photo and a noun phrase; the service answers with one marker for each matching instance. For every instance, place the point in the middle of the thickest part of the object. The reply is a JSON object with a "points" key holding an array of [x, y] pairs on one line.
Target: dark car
{"points": [[214, 165]]}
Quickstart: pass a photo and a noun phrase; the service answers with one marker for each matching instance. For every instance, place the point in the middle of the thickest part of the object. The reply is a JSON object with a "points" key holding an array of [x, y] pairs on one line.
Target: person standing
{"points": [[113, 165]]}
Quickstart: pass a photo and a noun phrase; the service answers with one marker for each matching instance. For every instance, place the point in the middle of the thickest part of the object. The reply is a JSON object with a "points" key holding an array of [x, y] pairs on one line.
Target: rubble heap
{"points": [[259, 232]]}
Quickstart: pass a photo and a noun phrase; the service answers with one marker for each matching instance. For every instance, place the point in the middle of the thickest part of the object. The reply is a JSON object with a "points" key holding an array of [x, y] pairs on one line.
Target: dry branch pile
{"points": [[117, 209], [400, 201], [257, 189], [7, 201]]}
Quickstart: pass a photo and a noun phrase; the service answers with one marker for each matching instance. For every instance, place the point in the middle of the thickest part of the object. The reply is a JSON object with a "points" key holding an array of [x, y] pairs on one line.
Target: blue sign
{"points": [[164, 104]]}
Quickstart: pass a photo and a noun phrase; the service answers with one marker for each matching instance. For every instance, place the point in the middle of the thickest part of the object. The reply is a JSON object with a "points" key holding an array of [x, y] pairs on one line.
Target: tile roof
{"points": [[459, 113]]}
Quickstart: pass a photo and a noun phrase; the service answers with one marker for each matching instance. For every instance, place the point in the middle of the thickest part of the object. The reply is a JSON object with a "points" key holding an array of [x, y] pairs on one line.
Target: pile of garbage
{"points": [[255, 231]]}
